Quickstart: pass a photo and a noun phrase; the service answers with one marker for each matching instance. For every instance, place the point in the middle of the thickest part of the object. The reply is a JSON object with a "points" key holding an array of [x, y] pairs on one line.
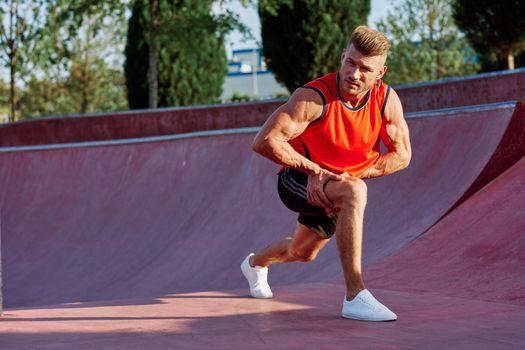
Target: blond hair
{"points": [[369, 42]]}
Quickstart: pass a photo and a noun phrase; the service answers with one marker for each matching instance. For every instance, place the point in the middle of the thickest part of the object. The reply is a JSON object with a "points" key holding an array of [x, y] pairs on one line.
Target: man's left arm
{"points": [[395, 136]]}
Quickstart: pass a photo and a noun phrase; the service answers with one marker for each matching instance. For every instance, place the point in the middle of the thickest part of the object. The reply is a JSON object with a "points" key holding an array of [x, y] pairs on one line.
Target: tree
{"points": [[137, 60], [426, 44], [77, 53], [82, 34], [190, 59], [4, 100], [303, 39], [20, 21], [47, 95], [494, 28], [152, 53], [188, 71]]}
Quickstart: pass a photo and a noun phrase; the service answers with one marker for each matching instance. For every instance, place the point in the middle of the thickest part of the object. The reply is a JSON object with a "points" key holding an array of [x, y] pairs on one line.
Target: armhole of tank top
{"points": [[324, 103], [385, 101], [306, 152]]}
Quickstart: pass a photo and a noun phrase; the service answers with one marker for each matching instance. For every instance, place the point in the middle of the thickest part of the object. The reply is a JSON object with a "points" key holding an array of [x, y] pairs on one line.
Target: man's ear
{"points": [[343, 54], [382, 72]]}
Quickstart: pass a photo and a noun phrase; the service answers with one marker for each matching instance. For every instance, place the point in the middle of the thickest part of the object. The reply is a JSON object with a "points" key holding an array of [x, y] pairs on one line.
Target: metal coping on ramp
{"points": [[127, 113], [208, 133]]}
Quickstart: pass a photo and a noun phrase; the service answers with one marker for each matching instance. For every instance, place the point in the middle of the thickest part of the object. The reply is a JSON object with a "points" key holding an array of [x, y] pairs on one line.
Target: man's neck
{"points": [[350, 99]]}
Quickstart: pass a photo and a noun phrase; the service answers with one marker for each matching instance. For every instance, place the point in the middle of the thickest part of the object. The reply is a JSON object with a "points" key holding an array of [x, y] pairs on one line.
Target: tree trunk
{"points": [[12, 91], [85, 85], [85, 73], [510, 60], [152, 55]]}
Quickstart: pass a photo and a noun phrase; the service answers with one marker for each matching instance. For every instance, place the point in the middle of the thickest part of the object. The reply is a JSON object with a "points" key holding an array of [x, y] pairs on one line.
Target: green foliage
{"points": [[494, 28], [21, 22], [303, 39], [426, 44], [74, 25], [50, 95], [136, 64], [191, 57], [240, 97], [4, 100], [281, 95], [4, 93], [75, 60]]}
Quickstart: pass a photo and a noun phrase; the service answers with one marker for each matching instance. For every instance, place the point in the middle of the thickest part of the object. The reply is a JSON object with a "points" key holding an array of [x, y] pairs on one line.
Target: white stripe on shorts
{"points": [[293, 187]]}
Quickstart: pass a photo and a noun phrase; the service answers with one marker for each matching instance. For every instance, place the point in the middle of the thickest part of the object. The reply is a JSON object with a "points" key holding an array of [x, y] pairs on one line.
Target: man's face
{"points": [[358, 72]]}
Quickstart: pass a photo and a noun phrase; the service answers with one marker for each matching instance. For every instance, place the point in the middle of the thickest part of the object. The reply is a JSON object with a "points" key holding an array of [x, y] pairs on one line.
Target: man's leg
{"points": [[349, 196], [303, 246]]}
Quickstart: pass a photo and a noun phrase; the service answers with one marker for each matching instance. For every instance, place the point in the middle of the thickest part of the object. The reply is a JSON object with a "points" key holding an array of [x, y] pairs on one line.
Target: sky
{"points": [[248, 16]]}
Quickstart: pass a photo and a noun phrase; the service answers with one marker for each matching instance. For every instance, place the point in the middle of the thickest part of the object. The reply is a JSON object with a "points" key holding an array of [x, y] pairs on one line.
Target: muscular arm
{"points": [[286, 123], [395, 136]]}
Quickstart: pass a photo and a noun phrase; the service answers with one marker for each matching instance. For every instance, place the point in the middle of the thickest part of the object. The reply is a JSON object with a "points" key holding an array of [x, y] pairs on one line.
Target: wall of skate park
{"points": [[87, 170], [112, 219], [464, 91]]}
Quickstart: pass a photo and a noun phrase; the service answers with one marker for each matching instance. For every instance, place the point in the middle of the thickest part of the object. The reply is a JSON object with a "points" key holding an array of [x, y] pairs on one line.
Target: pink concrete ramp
{"points": [[134, 219], [476, 252], [138, 242]]}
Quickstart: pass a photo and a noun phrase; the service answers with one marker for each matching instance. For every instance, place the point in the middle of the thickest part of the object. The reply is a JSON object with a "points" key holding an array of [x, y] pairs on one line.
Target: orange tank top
{"points": [[344, 139]]}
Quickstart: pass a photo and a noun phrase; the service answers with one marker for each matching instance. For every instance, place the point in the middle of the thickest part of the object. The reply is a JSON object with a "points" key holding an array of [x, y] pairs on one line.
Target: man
{"points": [[327, 138]]}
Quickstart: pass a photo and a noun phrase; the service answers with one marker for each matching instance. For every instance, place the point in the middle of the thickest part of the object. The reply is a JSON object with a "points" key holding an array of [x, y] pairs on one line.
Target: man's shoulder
{"points": [[329, 78], [325, 85]]}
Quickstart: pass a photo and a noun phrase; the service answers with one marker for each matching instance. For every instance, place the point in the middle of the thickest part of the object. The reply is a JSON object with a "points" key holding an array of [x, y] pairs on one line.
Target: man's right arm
{"points": [[286, 123]]}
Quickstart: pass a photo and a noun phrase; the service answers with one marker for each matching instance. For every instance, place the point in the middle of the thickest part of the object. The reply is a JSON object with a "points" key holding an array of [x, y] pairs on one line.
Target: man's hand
{"points": [[364, 175], [315, 189]]}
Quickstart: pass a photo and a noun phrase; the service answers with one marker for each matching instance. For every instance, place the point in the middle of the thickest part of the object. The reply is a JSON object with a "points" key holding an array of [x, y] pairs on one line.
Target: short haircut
{"points": [[369, 42]]}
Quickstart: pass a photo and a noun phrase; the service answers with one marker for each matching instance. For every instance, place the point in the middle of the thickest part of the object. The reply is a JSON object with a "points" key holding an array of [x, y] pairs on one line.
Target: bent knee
{"points": [[302, 255], [351, 190]]}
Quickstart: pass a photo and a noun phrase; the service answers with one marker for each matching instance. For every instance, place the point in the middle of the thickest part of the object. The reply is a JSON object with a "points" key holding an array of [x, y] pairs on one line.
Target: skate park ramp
{"points": [[137, 243], [124, 215], [486, 260]]}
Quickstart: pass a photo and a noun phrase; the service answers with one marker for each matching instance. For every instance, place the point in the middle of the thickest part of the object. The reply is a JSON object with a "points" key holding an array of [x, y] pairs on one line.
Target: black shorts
{"points": [[292, 191]]}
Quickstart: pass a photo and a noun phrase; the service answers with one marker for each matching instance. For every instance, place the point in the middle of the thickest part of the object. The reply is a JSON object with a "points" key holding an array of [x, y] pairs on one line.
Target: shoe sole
{"points": [[366, 319]]}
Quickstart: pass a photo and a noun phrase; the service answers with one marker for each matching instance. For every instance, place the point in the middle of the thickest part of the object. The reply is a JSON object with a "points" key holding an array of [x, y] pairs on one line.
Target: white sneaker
{"points": [[365, 307], [257, 279]]}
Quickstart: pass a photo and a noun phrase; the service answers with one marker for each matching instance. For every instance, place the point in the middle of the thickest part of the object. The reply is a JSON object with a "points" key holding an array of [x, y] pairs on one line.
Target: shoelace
{"points": [[369, 300]]}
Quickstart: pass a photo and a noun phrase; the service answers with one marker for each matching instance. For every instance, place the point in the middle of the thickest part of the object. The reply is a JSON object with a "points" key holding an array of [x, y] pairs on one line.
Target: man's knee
{"points": [[350, 190], [305, 255]]}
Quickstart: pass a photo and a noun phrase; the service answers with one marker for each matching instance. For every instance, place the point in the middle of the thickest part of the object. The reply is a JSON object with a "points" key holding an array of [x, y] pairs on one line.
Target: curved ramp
{"points": [[477, 252], [151, 218], [147, 217]]}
